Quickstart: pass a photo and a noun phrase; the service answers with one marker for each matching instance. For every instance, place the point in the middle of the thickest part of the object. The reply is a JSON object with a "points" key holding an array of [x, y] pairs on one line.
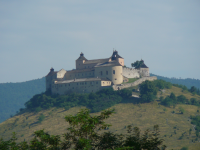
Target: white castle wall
{"points": [[139, 81], [131, 73]]}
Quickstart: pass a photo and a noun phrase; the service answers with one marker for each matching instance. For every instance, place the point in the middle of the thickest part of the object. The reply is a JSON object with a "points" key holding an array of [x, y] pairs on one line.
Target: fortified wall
{"points": [[131, 73], [137, 82]]}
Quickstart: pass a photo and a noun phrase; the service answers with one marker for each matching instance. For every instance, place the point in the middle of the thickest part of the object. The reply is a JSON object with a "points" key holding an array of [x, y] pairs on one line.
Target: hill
{"points": [[174, 126], [14, 95], [187, 82]]}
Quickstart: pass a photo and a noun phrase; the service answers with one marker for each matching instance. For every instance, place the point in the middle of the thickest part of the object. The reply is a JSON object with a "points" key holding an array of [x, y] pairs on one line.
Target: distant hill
{"points": [[187, 82], [14, 95]]}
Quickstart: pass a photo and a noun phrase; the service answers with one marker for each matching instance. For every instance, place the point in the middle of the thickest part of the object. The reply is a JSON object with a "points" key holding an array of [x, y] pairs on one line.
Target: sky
{"points": [[40, 34]]}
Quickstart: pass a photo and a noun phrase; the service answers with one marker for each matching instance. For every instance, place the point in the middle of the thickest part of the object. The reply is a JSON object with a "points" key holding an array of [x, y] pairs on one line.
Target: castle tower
{"points": [[80, 61], [116, 57]]}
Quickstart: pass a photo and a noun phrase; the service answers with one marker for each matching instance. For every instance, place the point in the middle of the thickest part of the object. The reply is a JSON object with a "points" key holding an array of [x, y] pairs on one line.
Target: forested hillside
{"points": [[14, 95], [187, 82]]}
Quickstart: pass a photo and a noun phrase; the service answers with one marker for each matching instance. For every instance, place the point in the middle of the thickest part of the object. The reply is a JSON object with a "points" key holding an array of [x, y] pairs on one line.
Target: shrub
{"points": [[184, 148], [38, 109], [182, 111], [41, 118]]}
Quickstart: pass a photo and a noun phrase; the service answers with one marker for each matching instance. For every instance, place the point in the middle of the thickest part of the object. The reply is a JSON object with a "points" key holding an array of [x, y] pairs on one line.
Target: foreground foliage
{"points": [[83, 135]]}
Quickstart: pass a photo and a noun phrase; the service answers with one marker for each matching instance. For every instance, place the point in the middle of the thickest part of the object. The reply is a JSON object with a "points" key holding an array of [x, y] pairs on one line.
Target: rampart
{"points": [[137, 82], [131, 73]]}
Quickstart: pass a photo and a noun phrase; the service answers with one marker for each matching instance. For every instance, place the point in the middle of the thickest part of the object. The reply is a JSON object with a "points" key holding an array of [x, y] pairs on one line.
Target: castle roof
{"points": [[112, 63], [115, 55], [143, 64], [51, 72], [81, 57], [95, 61]]}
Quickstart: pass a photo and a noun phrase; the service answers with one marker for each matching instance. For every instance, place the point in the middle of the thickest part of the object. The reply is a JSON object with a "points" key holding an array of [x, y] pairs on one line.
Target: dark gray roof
{"points": [[115, 55], [143, 66], [81, 58], [112, 63], [51, 73], [95, 61]]}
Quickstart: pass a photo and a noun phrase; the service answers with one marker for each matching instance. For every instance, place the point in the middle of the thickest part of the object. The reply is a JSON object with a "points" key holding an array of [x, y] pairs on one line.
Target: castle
{"points": [[92, 75]]}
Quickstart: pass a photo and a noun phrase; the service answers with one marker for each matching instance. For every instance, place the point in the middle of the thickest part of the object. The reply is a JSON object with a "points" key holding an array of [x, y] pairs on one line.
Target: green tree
{"points": [[193, 89], [137, 64], [148, 91]]}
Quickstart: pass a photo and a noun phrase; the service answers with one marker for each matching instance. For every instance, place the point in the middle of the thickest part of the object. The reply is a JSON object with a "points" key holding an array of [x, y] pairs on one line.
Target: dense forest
{"points": [[188, 82], [14, 95]]}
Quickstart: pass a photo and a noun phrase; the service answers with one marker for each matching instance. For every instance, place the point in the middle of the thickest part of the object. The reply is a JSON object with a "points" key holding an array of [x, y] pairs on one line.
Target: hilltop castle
{"points": [[92, 75]]}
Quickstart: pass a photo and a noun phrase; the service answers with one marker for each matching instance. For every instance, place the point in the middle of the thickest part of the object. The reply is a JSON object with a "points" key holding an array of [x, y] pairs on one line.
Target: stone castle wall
{"points": [[139, 81], [131, 73]]}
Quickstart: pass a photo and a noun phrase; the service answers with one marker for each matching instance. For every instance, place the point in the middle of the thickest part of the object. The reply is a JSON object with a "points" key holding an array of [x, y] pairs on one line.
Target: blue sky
{"points": [[40, 34]]}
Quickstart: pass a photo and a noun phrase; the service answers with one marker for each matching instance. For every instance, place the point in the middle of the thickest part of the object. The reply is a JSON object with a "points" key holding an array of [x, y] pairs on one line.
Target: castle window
{"points": [[85, 82], [69, 84], [96, 82], [113, 71], [103, 82], [77, 83], [106, 72]]}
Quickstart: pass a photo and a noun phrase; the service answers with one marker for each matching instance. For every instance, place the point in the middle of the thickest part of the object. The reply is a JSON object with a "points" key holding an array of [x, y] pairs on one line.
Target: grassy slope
{"points": [[142, 115]]}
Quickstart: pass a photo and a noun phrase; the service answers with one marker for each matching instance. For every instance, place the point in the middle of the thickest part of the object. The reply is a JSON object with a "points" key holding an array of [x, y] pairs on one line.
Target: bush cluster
{"points": [[172, 100], [95, 101], [196, 121], [148, 89], [193, 89]]}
